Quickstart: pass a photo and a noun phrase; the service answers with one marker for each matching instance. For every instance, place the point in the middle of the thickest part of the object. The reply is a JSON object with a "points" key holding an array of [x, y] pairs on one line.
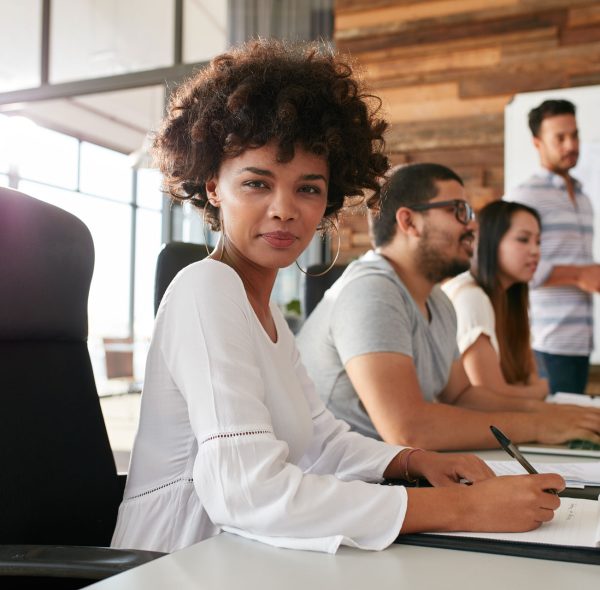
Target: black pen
{"points": [[514, 452]]}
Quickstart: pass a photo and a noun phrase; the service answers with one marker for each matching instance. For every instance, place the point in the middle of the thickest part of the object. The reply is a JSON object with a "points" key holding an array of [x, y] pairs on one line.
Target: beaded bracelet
{"points": [[404, 461]]}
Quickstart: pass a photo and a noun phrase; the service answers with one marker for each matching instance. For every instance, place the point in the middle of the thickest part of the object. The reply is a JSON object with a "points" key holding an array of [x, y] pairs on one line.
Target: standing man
{"points": [[560, 297], [381, 345]]}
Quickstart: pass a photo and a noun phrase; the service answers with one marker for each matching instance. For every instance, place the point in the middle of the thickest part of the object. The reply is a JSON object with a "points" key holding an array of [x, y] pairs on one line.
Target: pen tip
{"points": [[500, 437]]}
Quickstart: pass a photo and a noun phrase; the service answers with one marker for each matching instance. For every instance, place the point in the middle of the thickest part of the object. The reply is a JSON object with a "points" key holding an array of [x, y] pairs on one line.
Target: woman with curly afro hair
{"points": [[267, 141]]}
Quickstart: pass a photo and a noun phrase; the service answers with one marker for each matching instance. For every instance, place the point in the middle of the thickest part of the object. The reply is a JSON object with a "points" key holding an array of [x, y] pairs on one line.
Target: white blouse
{"points": [[474, 311], [233, 436]]}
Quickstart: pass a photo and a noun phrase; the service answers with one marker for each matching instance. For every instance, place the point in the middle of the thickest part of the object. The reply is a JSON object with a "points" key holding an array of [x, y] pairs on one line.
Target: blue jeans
{"points": [[564, 372]]}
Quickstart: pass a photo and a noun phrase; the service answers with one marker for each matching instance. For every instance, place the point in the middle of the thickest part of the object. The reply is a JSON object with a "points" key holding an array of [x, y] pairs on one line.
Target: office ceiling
{"points": [[119, 120]]}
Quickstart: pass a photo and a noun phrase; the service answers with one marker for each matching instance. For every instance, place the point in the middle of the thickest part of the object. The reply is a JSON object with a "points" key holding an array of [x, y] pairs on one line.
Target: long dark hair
{"points": [[510, 306]]}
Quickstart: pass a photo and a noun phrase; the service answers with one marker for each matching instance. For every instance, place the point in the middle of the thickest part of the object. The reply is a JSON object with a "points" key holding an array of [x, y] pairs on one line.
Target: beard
{"points": [[562, 166], [562, 170], [433, 263]]}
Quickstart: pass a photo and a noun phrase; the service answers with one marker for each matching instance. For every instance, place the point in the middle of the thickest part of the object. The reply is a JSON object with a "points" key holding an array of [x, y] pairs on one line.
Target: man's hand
{"points": [[585, 277], [589, 278], [559, 423]]}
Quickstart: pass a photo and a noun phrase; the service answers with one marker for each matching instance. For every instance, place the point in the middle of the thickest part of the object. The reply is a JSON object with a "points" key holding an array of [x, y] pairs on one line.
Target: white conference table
{"points": [[228, 561]]}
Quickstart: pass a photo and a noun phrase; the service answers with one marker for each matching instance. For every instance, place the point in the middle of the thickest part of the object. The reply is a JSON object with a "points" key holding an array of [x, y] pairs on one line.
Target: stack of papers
{"points": [[576, 475]]}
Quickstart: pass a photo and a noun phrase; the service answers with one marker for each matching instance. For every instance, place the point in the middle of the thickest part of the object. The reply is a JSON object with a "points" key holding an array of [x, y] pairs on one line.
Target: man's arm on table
{"points": [[388, 387]]}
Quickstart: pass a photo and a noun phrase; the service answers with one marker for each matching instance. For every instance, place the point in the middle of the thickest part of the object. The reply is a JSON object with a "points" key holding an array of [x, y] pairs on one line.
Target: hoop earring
{"points": [[337, 254], [204, 225]]}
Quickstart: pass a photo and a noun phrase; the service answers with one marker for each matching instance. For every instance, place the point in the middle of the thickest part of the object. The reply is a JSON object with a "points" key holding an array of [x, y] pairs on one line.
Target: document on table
{"points": [[576, 523], [577, 399], [576, 475]]}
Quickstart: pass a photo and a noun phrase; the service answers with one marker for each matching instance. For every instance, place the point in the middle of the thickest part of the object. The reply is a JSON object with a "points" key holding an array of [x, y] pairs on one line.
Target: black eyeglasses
{"points": [[462, 210]]}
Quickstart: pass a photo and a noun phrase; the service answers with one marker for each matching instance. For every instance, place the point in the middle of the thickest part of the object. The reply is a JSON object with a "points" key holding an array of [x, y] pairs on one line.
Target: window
{"points": [[122, 209], [20, 44], [46, 156], [204, 29], [112, 37], [5, 143], [148, 234], [105, 173]]}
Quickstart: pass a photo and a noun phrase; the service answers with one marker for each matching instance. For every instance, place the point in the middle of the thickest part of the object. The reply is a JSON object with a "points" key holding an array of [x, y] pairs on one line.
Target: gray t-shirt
{"points": [[369, 309]]}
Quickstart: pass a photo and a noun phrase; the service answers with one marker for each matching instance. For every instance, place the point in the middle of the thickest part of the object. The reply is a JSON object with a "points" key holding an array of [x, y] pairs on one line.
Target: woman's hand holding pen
{"points": [[513, 503]]}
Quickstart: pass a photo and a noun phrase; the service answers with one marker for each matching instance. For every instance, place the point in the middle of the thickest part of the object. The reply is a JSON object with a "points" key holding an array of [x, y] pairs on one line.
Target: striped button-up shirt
{"points": [[561, 316]]}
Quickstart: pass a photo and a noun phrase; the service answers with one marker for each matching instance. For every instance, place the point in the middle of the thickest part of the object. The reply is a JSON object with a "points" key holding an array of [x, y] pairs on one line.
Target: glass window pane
{"points": [[110, 224], [3, 180], [20, 43], [105, 173], [5, 147], [39, 154], [204, 29], [109, 37], [45, 155], [119, 120], [192, 226], [149, 194], [148, 245]]}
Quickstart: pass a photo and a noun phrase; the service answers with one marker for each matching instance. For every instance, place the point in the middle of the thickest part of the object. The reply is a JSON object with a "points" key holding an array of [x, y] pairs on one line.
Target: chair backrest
{"points": [[59, 481], [315, 287], [173, 257]]}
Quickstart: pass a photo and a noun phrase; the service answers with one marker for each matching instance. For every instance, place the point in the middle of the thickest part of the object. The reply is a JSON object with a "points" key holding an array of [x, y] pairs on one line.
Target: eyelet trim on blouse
{"points": [[235, 434], [165, 485], [190, 480]]}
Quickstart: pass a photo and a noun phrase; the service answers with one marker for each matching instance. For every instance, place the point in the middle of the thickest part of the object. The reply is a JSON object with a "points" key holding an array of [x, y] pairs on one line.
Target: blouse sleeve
{"points": [[475, 316], [335, 449], [241, 471]]}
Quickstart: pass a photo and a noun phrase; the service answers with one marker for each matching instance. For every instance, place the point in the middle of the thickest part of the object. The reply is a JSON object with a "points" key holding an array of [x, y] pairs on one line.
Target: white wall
{"points": [[521, 158]]}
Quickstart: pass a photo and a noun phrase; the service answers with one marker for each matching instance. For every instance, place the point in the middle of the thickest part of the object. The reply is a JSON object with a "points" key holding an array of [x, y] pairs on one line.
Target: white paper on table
{"points": [[579, 474], [577, 399]]}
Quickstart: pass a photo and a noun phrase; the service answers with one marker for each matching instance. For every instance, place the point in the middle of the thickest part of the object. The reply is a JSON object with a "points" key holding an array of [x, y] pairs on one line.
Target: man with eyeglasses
{"points": [[381, 345]]}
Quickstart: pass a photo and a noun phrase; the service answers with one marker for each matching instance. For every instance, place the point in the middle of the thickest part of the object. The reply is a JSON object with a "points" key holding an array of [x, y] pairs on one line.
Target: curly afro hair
{"points": [[295, 94]]}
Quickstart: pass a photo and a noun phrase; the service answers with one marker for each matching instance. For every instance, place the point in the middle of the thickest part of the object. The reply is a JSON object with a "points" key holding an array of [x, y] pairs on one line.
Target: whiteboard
{"points": [[521, 157]]}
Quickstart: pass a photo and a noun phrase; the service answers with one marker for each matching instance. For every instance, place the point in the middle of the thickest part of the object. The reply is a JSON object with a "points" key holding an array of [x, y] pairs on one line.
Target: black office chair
{"points": [[173, 257], [59, 490], [314, 287]]}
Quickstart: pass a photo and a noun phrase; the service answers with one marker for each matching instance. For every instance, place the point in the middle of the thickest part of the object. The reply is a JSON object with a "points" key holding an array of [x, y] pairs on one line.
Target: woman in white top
{"points": [[267, 141], [491, 302]]}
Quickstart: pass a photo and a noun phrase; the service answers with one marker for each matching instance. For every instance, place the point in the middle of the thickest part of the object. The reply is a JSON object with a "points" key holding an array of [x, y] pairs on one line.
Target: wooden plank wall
{"points": [[446, 69]]}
